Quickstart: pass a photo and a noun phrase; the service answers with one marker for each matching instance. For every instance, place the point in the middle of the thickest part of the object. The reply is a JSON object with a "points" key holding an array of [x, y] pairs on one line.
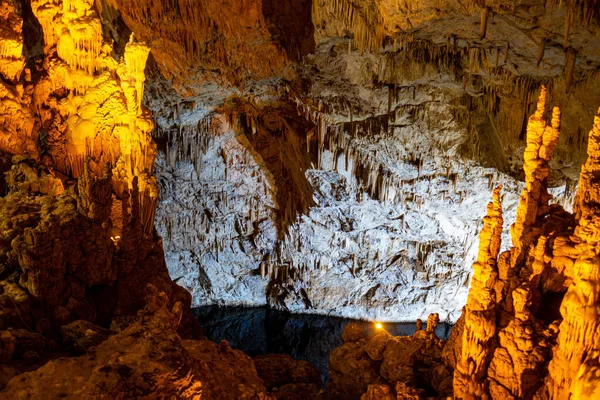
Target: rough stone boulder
{"points": [[14, 305], [371, 367], [297, 391], [378, 392], [21, 344], [376, 345], [353, 332], [82, 335], [351, 371], [146, 359], [277, 370]]}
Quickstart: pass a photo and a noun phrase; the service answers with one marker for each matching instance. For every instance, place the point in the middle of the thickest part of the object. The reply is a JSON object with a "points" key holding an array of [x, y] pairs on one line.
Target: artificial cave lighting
{"points": [[325, 199]]}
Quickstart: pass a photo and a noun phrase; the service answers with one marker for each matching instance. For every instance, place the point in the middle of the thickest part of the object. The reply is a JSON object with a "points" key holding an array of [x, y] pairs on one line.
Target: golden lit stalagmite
{"points": [[516, 365], [541, 141], [480, 317], [508, 349], [102, 118], [553, 250], [574, 371]]}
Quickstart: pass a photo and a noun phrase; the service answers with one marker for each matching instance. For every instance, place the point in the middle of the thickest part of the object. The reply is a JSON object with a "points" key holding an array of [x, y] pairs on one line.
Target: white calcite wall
{"points": [[350, 255]]}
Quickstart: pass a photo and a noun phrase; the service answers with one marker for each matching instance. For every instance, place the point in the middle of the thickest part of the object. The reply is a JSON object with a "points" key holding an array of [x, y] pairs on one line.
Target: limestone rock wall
{"points": [[388, 236]]}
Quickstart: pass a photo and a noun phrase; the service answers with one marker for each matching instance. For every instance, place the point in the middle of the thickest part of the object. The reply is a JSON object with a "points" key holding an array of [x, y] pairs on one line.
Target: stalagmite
{"points": [[570, 58], [480, 311], [541, 141], [574, 369]]}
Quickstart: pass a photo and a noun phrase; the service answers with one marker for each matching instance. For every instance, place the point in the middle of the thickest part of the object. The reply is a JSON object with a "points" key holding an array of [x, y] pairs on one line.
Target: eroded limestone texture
{"points": [[77, 238]]}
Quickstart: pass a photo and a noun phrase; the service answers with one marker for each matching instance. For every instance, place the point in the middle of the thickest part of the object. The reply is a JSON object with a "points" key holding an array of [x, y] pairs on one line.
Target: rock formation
{"points": [[573, 370], [12, 61], [329, 156], [480, 311], [77, 232], [524, 348], [511, 342], [146, 359], [382, 366], [381, 75]]}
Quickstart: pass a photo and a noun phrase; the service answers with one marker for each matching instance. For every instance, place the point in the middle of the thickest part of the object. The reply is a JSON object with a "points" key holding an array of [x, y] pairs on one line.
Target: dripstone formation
{"points": [[324, 156]]}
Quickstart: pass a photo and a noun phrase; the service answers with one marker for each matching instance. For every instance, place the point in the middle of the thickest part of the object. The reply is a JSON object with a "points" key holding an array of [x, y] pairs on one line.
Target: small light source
{"points": [[379, 325]]}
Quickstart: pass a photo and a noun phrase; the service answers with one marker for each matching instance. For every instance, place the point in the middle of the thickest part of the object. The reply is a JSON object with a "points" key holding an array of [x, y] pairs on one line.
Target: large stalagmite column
{"points": [[541, 142], [574, 371], [480, 311]]}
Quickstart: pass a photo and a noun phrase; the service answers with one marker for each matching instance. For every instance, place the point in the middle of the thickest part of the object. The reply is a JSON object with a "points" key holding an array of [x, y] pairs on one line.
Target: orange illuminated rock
{"points": [[245, 40], [11, 41], [18, 125], [480, 311], [541, 141], [522, 348], [574, 371], [102, 119]]}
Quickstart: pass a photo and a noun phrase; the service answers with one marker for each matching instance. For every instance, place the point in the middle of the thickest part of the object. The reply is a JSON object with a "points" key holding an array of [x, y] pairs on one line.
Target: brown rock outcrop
{"points": [[383, 366], [83, 334], [281, 374], [146, 359], [60, 261]]}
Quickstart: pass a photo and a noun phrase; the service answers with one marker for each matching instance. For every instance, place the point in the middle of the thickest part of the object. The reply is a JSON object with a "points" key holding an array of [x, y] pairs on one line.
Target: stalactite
{"points": [[541, 51], [570, 57], [363, 19], [484, 22]]}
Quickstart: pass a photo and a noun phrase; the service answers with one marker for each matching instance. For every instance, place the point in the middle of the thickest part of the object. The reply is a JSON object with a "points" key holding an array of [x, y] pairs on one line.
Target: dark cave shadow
{"points": [[290, 24]]}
